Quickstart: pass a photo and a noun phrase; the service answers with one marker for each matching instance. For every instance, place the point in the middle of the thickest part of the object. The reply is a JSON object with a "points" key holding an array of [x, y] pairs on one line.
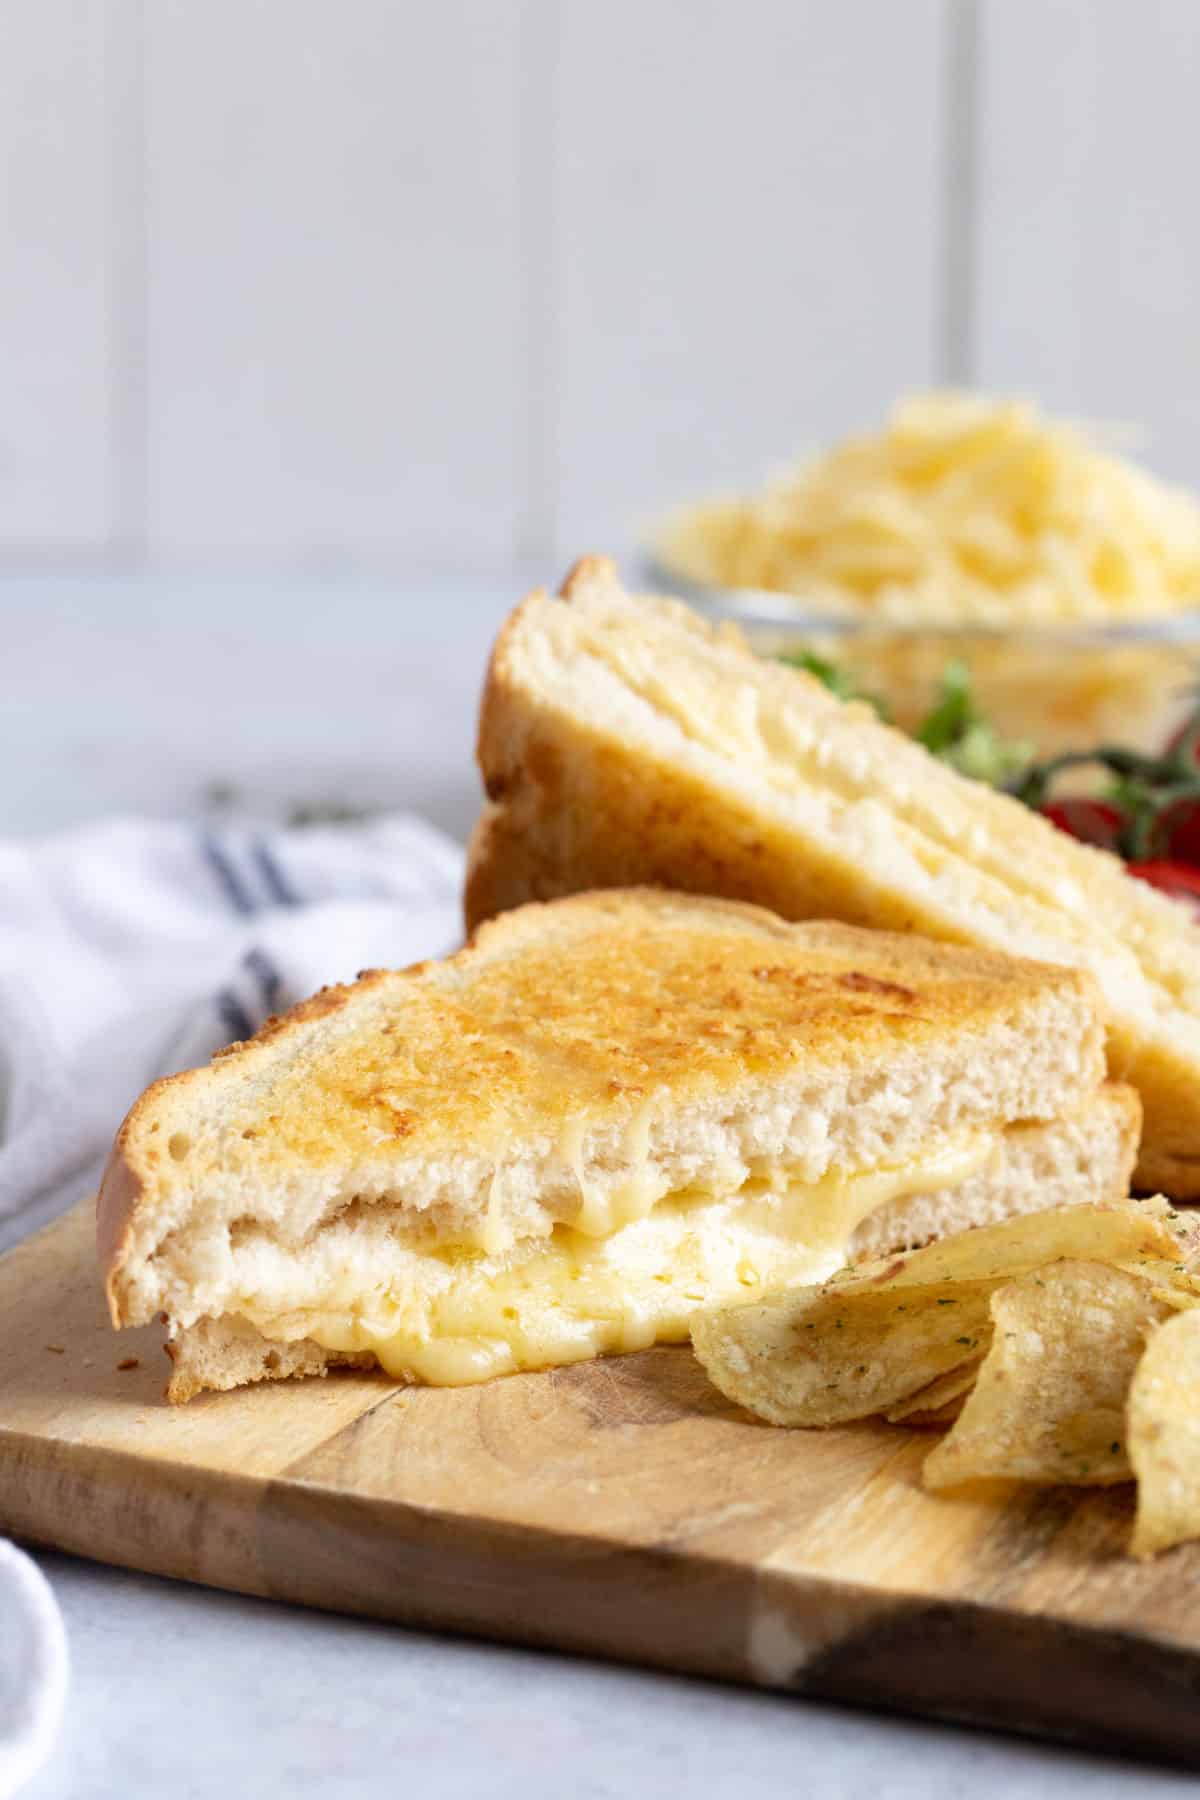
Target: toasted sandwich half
{"points": [[599, 1116], [624, 741]]}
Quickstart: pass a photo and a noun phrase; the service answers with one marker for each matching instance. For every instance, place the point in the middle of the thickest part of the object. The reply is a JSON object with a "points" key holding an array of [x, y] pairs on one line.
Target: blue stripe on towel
{"points": [[230, 882], [269, 980], [233, 1015], [273, 877]]}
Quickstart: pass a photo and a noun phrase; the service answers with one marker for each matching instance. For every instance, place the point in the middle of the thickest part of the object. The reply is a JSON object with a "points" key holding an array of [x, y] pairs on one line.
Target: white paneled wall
{"points": [[282, 280], [1088, 275], [334, 266], [746, 207], [61, 68]]}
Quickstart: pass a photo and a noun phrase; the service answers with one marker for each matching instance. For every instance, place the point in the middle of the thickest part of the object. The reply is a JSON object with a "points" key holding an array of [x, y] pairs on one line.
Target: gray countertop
{"points": [[201, 1696], [137, 695]]}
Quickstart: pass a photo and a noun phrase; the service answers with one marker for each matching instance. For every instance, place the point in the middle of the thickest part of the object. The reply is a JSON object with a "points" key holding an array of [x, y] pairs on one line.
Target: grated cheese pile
{"points": [[964, 509]]}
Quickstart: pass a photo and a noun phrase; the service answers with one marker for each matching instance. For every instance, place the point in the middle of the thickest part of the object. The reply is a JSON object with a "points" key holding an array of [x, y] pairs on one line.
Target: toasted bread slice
{"points": [[601, 1114], [624, 740]]}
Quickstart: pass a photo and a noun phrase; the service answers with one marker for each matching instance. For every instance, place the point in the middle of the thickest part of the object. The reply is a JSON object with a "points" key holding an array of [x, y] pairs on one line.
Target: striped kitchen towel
{"points": [[132, 948]]}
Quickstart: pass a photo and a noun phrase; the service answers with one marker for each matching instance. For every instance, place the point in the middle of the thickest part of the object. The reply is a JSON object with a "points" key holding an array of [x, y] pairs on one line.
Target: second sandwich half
{"points": [[604, 1114]]}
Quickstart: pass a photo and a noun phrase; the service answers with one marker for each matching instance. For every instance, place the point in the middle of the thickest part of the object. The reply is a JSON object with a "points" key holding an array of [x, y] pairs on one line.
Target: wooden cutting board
{"points": [[622, 1508]]}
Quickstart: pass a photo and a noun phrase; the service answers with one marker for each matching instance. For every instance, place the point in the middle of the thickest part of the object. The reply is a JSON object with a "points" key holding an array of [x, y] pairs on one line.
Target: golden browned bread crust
{"points": [[575, 804]]}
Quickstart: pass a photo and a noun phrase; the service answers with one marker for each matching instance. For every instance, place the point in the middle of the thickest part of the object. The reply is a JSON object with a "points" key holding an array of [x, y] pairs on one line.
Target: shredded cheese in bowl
{"points": [[963, 510]]}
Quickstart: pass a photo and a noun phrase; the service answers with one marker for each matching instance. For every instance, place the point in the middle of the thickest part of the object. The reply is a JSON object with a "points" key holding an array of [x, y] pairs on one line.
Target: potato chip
{"points": [[1049, 1401], [940, 1418], [942, 1397], [823, 1356], [1121, 1233], [878, 1332], [1163, 1423], [1183, 1224], [1172, 1282], [1176, 1274]]}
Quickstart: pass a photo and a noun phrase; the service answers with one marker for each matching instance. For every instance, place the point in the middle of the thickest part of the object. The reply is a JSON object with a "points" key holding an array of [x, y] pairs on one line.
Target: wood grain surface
{"points": [[622, 1508]]}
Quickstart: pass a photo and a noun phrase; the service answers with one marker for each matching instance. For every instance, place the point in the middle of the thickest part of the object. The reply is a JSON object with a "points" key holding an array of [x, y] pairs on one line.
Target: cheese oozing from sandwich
{"points": [[628, 1272]]}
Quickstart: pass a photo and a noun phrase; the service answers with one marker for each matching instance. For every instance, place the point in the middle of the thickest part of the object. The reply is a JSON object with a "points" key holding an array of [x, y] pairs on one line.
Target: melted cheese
{"points": [[588, 1291], [603, 1213]]}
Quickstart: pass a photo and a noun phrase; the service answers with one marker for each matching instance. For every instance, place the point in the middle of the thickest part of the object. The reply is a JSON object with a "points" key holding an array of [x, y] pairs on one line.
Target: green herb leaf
{"points": [[956, 731], [829, 674], [953, 711]]}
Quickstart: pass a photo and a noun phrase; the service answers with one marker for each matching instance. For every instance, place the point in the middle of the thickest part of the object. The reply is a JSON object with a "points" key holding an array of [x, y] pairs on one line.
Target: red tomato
{"points": [[1091, 821], [1172, 878], [1179, 832]]}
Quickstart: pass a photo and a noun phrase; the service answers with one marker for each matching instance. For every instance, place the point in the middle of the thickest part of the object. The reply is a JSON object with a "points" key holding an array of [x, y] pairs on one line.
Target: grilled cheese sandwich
{"points": [[600, 1116], [623, 740]]}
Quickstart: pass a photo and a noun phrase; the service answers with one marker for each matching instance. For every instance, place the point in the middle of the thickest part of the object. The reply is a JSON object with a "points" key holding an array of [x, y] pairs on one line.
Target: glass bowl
{"points": [[1066, 686]]}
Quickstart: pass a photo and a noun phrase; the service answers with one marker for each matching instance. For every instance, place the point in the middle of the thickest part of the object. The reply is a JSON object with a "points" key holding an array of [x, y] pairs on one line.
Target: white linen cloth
{"points": [[131, 949]]}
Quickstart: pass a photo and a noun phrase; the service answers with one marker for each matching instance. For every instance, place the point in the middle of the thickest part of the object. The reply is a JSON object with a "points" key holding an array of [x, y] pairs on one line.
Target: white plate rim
{"points": [[33, 1688]]}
